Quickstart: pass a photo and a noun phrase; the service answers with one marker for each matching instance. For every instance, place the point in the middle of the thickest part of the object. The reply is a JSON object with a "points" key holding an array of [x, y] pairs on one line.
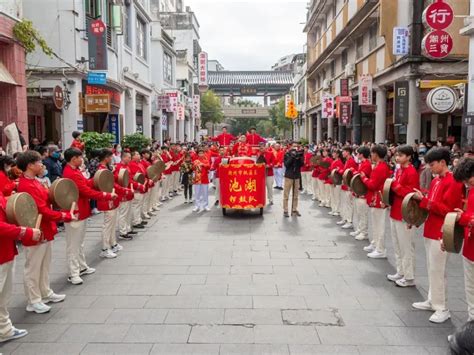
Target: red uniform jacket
{"points": [[6, 185], [166, 156], [374, 184], [254, 139], [279, 155], [364, 167], [201, 168], [406, 180], [78, 144], [137, 167], [349, 164], [242, 150], [215, 165], [316, 172], [324, 172], [41, 196], [444, 196], [270, 162], [467, 221], [336, 164], [128, 196], [11, 233], [224, 139], [146, 164], [86, 191], [307, 162]]}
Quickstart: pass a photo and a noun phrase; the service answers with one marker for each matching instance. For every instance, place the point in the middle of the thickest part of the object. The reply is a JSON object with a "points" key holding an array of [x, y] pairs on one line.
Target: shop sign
{"points": [[203, 84], [181, 114], [163, 102], [114, 95], [327, 106], [365, 90], [248, 91], [437, 44], [173, 98], [97, 103], [114, 127], [439, 15], [400, 41], [58, 97], [400, 103], [80, 125], [344, 109], [344, 87], [97, 78], [442, 99], [287, 102], [97, 43], [468, 119], [164, 120], [196, 106]]}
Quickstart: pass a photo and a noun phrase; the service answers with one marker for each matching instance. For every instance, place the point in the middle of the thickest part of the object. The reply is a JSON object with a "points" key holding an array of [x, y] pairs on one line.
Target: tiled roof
{"points": [[250, 78]]}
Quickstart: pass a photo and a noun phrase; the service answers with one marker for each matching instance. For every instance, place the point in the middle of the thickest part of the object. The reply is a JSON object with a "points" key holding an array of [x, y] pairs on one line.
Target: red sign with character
{"points": [[438, 44], [242, 185], [439, 15]]}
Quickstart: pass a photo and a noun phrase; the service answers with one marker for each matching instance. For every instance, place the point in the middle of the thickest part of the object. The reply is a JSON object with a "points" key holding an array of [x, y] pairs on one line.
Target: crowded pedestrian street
{"points": [[241, 284]]}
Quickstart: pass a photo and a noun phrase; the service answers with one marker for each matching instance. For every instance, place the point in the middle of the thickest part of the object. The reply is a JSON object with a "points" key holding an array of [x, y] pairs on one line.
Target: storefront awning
{"points": [[5, 76]]}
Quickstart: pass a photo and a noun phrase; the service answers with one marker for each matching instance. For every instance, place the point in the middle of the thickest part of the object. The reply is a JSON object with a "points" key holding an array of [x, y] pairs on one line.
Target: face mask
{"points": [[56, 155], [422, 151]]}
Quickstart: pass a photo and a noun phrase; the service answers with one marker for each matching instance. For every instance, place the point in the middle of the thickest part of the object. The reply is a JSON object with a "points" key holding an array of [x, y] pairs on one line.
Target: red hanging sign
{"points": [[437, 44], [439, 15]]}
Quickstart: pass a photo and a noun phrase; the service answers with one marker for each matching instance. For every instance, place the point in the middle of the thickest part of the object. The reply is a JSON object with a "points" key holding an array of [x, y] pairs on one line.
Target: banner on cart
{"points": [[242, 186]]}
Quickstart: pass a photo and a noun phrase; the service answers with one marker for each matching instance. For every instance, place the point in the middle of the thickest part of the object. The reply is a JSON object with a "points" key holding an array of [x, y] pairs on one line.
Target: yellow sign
{"points": [[292, 112]]}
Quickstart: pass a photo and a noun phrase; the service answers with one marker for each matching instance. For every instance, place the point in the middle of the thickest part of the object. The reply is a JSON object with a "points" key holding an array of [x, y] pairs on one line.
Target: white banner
{"points": [[196, 106], [181, 113], [173, 101], [365, 90], [327, 106], [287, 102], [203, 70]]}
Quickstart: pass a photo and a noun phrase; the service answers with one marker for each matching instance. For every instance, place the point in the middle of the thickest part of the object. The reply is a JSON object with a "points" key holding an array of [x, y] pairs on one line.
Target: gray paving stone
{"points": [[195, 316], [42, 333], [135, 349], [415, 336], [252, 289], [281, 302], [146, 333], [412, 350], [254, 349], [252, 316], [94, 333], [312, 317], [78, 315], [217, 334], [226, 302], [353, 335], [199, 290], [192, 349], [382, 318], [322, 349], [173, 302], [137, 316], [120, 302], [286, 334], [48, 349]]}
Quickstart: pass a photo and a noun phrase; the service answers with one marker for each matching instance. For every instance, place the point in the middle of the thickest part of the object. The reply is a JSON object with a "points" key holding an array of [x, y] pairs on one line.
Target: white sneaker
{"points": [[39, 308], [107, 254], [200, 210], [88, 271], [361, 236], [195, 209], [341, 222], [424, 306], [405, 283], [336, 214], [394, 277], [354, 233], [75, 280], [116, 248], [321, 204], [185, 200], [17, 333], [95, 211], [207, 209], [369, 248], [377, 255], [54, 298], [348, 225], [314, 198], [440, 316], [159, 204], [331, 213]]}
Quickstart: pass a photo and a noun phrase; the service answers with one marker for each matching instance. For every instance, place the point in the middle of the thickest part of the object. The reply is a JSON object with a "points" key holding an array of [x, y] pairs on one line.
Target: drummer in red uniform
{"points": [[325, 192], [335, 190], [125, 208], [306, 171], [269, 158], [279, 154], [346, 199], [6, 184], [76, 230], [136, 167], [38, 257], [201, 168], [361, 209], [254, 139], [166, 183], [145, 161], [224, 139], [8, 237]]}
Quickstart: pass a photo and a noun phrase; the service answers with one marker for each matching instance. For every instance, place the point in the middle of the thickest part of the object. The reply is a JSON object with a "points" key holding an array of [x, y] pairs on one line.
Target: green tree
{"points": [[242, 125], [247, 103], [95, 140], [211, 109], [277, 115], [135, 141]]}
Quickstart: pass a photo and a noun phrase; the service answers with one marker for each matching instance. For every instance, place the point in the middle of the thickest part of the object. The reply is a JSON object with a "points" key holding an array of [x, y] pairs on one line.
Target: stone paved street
{"points": [[205, 284]]}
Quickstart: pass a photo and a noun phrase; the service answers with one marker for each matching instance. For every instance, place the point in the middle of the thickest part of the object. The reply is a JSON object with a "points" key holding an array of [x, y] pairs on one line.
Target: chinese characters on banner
{"points": [[438, 43], [400, 40], [400, 103], [242, 185], [287, 102], [196, 106], [114, 127], [365, 90], [97, 44], [202, 70], [173, 101], [344, 109], [327, 106], [163, 102], [181, 114], [344, 87]]}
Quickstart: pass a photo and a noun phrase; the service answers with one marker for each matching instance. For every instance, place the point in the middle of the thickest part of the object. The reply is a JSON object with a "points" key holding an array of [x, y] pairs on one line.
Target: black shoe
{"points": [[276, 187], [139, 226], [296, 213], [216, 203], [285, 214], [132, 233], [144, 223], [280, 188], [125, 237]]}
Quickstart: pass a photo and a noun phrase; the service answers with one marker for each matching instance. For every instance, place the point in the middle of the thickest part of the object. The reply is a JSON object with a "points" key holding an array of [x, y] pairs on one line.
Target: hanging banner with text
{"points": [[203, 84], [114, 127], [400, 103], [327, 106], [97, 43], [344, 110], [365, 90]]}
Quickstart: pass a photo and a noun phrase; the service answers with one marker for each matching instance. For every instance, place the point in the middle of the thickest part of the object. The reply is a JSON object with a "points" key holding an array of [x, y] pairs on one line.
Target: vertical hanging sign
{"points": [[203, 84], [97, 37], [327, 106], [365, 90], [400, 103]]}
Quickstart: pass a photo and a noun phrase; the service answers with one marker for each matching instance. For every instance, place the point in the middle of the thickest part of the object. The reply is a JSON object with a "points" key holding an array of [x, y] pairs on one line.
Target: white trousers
{"points": [[377, 238], [403, 240], [325, 193], [218, 189], [347, 205], [335, 198], [175, 176], [125, 217], [315, 183], [306, 181], [137, 204], [166, 185], [469, 285], [146, 202], [361, 211], [6, 288], [278, 173], [201, 192], [36, 272], [269, 183], [75, 235], [154, 197], [436, 261], [109, 239]]}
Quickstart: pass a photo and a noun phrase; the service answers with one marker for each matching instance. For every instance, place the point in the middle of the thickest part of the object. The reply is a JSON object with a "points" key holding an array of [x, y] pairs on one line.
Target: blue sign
{"points": [[97, 78], [114, 127], [401, 43]]}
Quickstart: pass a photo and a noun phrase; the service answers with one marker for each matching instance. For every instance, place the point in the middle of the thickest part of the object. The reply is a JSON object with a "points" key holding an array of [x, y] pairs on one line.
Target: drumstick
{"points": [[38, 221], [73, 207]]}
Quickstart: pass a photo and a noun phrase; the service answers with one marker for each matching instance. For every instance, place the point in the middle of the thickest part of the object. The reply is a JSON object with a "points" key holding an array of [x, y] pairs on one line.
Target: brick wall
{"points": [[13, 107]]}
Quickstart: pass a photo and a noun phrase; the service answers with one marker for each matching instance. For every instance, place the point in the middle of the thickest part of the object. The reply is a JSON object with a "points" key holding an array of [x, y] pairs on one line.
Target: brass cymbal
{"points": [[63, 192], [161, 166], [387, 193], [357, 186], [21, 210], [336, 177], [140, 178], [453, 233], [104, 180], [152, 172], [347, 177], [412, 213], [123, 177]]}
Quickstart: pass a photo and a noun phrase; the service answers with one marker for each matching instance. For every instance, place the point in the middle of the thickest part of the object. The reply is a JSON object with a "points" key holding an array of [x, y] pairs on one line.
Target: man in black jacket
{"points": [[294, 160], [53, 163]]}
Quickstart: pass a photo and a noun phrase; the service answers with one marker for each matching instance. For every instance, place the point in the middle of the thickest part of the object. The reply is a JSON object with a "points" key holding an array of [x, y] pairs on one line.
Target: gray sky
{"points": [[250, 35]]}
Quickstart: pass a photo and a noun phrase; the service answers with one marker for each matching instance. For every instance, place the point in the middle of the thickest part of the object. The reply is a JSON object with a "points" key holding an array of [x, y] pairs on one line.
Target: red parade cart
{"points": [[242, 185]]}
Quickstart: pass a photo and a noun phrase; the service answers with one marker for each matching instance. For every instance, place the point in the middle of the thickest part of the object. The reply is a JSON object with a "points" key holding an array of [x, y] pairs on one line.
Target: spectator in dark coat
{"points": [[53, 163]]}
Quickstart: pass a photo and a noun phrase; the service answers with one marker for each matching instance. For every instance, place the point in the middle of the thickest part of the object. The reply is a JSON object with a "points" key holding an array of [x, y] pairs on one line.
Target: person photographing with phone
{"points": [[293, 160]]}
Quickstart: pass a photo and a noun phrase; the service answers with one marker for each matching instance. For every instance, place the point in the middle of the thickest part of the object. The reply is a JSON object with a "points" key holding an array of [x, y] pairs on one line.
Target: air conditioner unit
{"points": [[349, 70], [326, 84]]}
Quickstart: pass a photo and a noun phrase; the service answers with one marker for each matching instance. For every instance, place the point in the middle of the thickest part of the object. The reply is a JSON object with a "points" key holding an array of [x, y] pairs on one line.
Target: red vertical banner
{"points": [[242, 186]]}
